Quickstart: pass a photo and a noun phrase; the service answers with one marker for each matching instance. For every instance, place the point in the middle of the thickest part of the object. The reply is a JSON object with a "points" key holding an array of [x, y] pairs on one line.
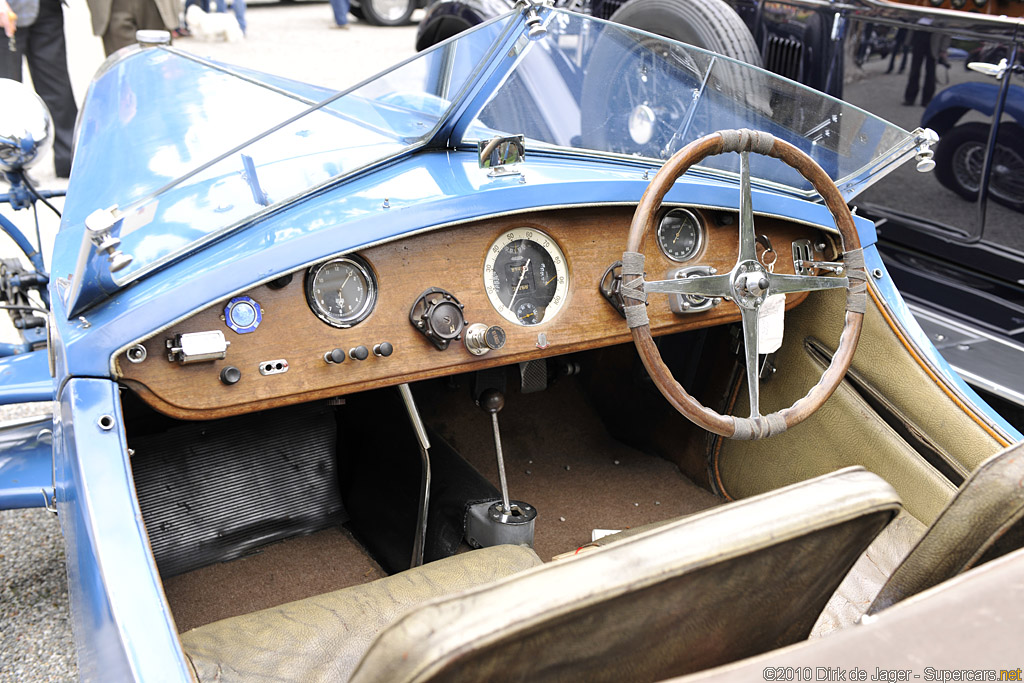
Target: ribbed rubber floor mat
{"points": [[212, 491]]}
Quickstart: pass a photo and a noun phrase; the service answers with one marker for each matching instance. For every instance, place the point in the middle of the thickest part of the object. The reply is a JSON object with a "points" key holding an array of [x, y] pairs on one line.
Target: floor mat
{"points": [[560, 459], [290, 570]]}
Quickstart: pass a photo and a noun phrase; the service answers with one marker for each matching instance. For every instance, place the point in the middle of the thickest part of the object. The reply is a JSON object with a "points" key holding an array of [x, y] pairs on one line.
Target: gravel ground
{"points": [[35, 629], [36, 642]]}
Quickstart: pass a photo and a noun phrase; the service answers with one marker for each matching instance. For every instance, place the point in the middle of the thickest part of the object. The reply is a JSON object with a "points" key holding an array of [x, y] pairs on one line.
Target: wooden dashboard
{"points": [[451, 259]]}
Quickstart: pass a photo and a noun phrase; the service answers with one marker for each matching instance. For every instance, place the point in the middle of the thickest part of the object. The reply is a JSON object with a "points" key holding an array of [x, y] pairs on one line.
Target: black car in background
{"points": [[953, 239]]}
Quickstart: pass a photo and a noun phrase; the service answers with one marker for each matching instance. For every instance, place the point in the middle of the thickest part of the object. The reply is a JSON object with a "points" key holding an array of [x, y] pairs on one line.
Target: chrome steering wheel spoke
{"points": [[747, 236], [701, 285], [749, 317], [779, 283]]}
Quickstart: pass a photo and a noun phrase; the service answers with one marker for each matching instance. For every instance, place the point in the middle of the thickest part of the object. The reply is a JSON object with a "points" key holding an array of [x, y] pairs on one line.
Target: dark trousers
{"points": [[921, 53], [42, 44]]}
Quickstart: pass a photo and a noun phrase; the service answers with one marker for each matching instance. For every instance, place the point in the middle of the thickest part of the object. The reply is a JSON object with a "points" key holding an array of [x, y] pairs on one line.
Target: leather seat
{"points": [[322, 638], [706, 589], [985, 520]]}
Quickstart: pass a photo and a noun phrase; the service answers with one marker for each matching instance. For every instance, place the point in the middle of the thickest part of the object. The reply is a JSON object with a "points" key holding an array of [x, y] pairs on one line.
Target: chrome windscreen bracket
{"points": [[926, 138], [99, 228]]}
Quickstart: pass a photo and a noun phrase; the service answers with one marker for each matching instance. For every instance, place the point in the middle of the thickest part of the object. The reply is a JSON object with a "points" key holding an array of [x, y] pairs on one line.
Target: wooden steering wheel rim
{"points": [[644, 221]]}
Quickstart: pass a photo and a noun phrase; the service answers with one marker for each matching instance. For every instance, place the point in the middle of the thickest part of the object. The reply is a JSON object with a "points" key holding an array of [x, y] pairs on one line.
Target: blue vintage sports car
{"points": [[554, 353]]}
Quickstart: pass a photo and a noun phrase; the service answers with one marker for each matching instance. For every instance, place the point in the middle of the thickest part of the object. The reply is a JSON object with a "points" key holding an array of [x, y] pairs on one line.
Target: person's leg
{"points": [[928, 89], [122, 27], [48, 64], [239, 7], [913, 80], [340, 8], [222, 5], [10, 62]]}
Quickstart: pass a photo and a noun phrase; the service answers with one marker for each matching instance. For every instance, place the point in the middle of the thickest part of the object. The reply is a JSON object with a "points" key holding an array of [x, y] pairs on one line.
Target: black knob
{"points": [[359, 353], [230, 375], [494, 337], [334, 356], [492, 401], [383, 349], [763, 283]]}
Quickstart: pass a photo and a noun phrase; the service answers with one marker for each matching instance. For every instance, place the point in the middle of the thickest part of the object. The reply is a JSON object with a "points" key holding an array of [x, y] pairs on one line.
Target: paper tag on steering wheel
{"points": [[770, 319]]}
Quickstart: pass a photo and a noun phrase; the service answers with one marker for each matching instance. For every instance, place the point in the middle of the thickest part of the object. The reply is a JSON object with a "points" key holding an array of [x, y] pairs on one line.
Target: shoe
{"points": [[343, 27], [908, 103]]}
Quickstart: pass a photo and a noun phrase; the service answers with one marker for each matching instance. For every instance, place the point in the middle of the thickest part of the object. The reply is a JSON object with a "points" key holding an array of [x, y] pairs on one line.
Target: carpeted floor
{"points": [[558, 457], [290, 570]]}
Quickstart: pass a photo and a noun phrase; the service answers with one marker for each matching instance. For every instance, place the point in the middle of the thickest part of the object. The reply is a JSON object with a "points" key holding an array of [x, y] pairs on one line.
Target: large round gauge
{"points": [[680, 234], [342, 291], [526, 276]]}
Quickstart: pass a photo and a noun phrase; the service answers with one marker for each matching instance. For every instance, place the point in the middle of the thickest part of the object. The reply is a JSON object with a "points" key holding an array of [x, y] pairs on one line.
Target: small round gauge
{"points": [[680, 234], [342, 291], [526, 276]]}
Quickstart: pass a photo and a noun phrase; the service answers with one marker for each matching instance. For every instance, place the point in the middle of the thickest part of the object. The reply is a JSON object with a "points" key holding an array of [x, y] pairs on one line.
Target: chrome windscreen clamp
{"points": [[926, 138], [535, 24], [99, 226]]}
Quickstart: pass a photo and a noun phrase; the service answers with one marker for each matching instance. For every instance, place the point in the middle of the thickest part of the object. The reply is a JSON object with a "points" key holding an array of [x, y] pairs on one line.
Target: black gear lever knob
{"points": [[492, 401]]}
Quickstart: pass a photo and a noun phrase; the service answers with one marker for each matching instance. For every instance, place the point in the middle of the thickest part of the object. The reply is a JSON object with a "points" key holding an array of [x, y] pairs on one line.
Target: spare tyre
{"points": [[708, 24]]}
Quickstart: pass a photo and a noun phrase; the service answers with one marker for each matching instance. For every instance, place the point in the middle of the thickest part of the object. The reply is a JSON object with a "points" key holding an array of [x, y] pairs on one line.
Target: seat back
{"points": [[985, 520], [710, 588]]}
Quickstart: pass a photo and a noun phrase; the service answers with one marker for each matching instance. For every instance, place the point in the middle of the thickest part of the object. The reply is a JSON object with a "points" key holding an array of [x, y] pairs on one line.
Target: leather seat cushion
{"points": [[323, 637]]}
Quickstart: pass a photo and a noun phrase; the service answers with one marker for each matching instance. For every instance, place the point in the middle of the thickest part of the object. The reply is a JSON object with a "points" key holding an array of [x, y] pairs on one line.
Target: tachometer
{"points": [[342, 291], [526, 276], [680, 234]]}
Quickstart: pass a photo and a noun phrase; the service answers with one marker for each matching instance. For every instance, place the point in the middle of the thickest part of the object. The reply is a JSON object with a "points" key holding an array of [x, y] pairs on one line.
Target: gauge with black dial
{"points": [[342, 291], [526, 276], [679, 234]]}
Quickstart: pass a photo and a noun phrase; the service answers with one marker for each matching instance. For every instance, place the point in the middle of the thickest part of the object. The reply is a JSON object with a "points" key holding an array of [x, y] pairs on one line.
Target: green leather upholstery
{"points": [[322, 638], [984, 521]]}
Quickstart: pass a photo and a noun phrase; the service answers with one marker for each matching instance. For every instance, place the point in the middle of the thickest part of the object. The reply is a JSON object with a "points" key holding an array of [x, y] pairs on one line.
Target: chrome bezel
{"points": [[346, 321], [698, 242], [547, 244]]}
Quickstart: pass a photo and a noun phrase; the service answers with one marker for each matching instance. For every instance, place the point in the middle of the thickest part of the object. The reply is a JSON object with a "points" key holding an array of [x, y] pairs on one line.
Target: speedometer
{"points": [[526, 276]]}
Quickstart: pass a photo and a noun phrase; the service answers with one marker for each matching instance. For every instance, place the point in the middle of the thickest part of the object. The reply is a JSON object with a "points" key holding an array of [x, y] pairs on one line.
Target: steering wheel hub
{"points": [[750, 284]]}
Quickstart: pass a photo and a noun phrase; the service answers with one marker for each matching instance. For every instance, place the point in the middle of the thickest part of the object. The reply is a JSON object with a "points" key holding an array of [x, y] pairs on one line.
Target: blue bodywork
{"points": [[122, 622], [950, 104]]}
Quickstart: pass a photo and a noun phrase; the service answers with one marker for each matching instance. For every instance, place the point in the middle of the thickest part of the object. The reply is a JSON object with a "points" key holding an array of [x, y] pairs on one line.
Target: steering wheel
{"points": [[748, 284]]}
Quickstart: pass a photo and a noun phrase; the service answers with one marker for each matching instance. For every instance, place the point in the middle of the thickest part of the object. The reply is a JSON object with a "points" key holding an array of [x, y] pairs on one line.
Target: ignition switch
{"points": [[438, 315]]}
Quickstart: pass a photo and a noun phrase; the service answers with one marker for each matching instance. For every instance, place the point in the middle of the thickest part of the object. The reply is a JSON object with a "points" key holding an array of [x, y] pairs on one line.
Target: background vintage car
{"points": [[83, 410]]}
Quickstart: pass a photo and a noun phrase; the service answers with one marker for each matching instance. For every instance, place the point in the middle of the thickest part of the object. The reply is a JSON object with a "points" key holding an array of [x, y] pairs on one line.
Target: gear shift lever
{"points": [[506, 521], [492, 401]]}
